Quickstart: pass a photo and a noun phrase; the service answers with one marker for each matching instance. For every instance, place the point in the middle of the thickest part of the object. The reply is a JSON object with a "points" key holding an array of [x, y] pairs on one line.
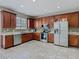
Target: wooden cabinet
{"points": [[36, 36], [8, 41], [74, 40], [9, 19], [60, 17], [73, 20], [39, 23], [6, 19], [36, 24], [13, 20], [51, 21], [50, 37], [26, 37], [44, 20], [31, 23]]}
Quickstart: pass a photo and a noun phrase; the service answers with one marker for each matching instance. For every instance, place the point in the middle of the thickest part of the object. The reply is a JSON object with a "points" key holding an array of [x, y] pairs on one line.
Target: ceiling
{"points": [[41, 7]]}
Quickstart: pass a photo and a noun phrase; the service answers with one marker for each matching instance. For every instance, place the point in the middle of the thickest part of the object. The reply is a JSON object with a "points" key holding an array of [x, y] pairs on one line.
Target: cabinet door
{"points": [[50, 37], [39, 23], [60, 17], [26, 37], [13, 20], [8, 41], [36, 36], [51, 21], [6, 19], [74, 40], [31, 23], [36, 24], [73, 20]]}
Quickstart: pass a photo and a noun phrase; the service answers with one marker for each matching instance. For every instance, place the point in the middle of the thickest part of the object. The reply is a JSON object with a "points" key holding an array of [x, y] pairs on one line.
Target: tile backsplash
{"points": [[15, 30], [74, 29], [37, 30]]}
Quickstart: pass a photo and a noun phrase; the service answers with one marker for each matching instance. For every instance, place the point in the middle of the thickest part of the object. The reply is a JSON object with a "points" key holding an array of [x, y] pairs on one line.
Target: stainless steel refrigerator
{"points": [[61, 33]]}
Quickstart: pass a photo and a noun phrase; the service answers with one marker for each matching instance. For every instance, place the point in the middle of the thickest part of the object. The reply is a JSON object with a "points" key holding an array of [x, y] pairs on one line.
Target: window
{"points": [[21, 23]]}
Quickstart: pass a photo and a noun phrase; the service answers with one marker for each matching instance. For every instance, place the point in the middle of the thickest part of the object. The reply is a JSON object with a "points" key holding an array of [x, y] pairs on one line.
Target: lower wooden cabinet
{"points": [[36, 36], [7, 41], [50, 37], [26, 37], [74, 40]]}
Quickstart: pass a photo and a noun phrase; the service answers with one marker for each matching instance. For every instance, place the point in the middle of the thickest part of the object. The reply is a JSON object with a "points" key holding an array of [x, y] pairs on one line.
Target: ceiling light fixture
{"points": [[58, 7], [34, 0], [21, 6]]}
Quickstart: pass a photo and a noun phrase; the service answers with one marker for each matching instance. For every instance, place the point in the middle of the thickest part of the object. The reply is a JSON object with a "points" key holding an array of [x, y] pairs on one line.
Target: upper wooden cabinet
{"points": [[36, 24], [51, 20], [9, 19], [44, 20], [13, 20], [73, 19], [6, 19], [31, 23], [39, 23], [60, 17]]}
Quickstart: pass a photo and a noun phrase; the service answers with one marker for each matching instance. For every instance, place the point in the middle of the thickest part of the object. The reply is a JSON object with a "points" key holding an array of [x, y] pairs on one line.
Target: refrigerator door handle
{"points": [[56, 31]]}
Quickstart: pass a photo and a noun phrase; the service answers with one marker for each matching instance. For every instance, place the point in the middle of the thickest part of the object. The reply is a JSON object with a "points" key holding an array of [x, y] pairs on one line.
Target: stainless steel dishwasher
{"points": [[17, 39]]}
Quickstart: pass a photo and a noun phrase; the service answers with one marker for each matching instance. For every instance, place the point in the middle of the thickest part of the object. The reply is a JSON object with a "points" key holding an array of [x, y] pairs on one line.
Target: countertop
{"points": [[52, 32], [74, 31], [15, 33], [70, 32]]}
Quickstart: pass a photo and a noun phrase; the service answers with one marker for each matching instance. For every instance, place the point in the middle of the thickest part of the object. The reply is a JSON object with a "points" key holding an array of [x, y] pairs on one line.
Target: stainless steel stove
{"points": [[44, 36]]}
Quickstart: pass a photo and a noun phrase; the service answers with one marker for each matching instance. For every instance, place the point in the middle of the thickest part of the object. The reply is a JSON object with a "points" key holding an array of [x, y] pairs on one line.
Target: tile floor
{"points": [[39, 50]]}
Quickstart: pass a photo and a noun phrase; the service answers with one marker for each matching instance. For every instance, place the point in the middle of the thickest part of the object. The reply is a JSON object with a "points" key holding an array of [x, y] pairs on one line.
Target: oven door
{"points": [[44, 37]]}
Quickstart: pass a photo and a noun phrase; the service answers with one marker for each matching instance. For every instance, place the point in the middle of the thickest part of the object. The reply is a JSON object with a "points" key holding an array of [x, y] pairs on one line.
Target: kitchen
{"points": [[16, 28]]}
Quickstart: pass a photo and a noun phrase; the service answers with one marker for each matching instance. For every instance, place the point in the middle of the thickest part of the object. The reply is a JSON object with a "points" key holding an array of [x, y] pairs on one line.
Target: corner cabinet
{"points": [[26, 37], [8, 19], [36, 36], [74, 40], [31, 23]]}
